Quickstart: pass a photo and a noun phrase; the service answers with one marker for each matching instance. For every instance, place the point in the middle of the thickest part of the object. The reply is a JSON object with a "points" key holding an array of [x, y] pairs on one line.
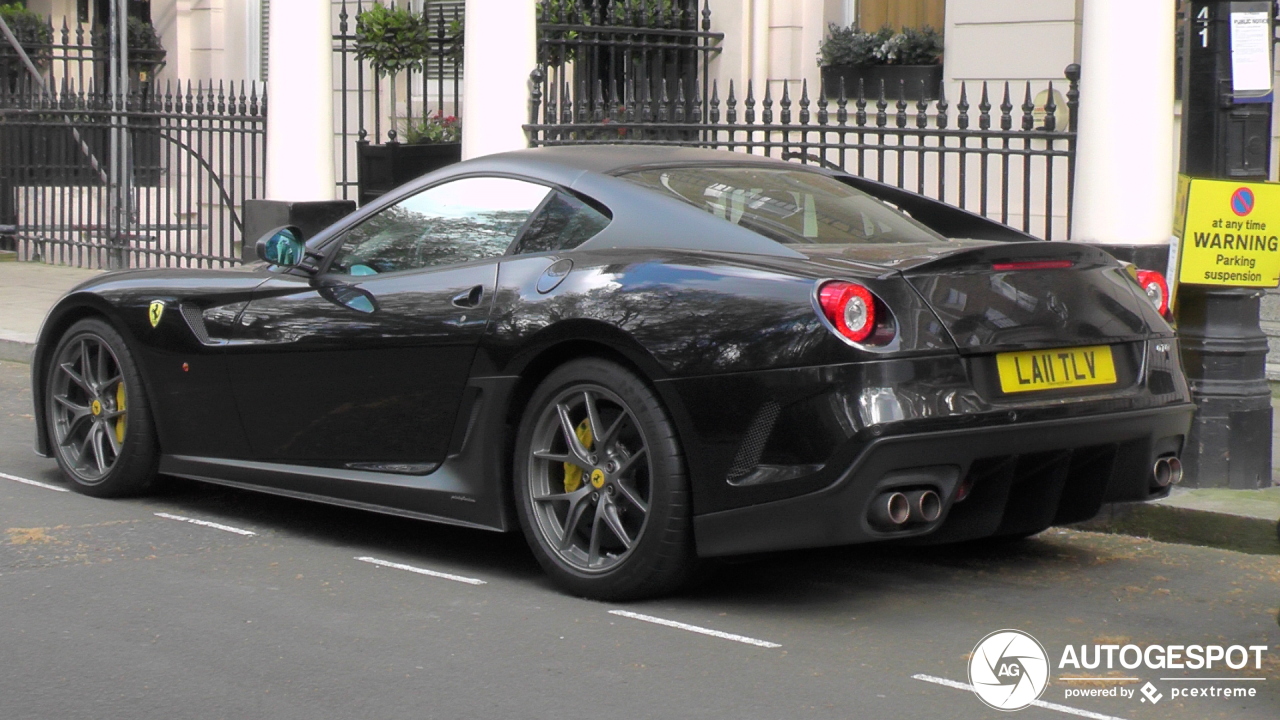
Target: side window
{"points": [[564, 223], [459, 221]]}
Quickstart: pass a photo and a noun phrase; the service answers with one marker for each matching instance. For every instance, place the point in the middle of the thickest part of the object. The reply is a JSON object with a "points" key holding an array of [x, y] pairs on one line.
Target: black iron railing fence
{"points": [[636, 43], [78, 53], [195, 154], [1011, 162], [364, 110]]}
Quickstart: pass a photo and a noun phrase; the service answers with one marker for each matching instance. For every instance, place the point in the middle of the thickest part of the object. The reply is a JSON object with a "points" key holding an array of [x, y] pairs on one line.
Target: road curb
{"points": [[16, 350], [1187, 526]]}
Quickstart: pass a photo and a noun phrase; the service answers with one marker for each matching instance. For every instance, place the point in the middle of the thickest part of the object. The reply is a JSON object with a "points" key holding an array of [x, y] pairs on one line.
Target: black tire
{"points": [[637, 487], [97, 415]]}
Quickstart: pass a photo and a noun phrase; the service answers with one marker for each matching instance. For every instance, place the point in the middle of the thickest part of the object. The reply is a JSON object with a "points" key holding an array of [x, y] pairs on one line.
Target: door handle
{"points": [[470, 298]]}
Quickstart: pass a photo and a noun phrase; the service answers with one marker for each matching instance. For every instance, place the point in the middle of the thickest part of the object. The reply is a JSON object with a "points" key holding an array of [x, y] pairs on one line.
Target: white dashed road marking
{"points": [[1038, 703], [206, 523], [422, 571], [25, 481], [695, 628]]}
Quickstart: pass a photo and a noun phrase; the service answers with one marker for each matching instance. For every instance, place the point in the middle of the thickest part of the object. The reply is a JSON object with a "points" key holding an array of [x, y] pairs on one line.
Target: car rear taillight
{"points": [[1154, 285], [850, 307]]}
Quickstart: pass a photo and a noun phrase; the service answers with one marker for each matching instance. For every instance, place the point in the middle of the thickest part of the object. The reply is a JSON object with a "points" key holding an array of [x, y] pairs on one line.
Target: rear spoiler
{"points": [[947, 220]]}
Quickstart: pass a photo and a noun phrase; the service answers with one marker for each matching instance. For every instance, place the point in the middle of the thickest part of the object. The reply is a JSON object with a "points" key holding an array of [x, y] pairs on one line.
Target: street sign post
{"points": [[1224, 203]]}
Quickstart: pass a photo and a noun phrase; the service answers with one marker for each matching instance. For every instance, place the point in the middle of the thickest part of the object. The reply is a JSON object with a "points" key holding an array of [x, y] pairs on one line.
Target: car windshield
{"points": [[789, 206]]}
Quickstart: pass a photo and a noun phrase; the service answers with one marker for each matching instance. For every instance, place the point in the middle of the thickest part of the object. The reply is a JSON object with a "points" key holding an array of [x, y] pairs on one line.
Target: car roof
{"points": [[641, 217], [615, 159]]}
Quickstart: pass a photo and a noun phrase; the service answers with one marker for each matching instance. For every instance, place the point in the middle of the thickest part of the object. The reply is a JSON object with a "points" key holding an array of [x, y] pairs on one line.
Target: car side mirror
{"points": [[282, 246]]}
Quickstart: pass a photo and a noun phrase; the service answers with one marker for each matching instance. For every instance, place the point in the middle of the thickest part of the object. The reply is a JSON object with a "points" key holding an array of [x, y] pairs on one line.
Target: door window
{"points": [[457, 222]]}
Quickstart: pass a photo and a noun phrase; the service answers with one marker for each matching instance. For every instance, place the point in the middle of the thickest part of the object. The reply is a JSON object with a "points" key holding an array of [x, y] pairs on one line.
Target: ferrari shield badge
{"points": [[155, 311]]}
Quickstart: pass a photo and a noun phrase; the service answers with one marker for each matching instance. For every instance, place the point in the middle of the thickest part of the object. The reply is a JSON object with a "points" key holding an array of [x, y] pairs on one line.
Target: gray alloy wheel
{"points": [[97, 414], [589, 478], [600, 484]]}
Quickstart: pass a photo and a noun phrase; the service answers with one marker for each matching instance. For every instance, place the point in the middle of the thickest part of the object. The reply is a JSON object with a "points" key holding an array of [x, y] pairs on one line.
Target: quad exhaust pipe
{"points": [[890, 511], [1167, 471], [893, 510], [926, 506]]}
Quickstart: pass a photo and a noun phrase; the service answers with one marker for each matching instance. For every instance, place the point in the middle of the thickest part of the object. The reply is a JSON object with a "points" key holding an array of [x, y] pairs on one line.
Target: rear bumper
{"points": [[1024, 477]]}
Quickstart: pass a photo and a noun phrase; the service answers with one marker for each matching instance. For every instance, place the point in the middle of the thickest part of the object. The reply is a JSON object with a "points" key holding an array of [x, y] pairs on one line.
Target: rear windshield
{"points": [[789, 206]]}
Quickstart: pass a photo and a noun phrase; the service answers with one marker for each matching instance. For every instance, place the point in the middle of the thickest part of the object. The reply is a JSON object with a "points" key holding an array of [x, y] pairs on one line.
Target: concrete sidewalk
{"points": [[27, 291], [1235, 519]]}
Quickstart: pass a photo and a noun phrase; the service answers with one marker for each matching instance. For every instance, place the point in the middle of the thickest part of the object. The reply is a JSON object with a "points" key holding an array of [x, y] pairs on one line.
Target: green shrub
{"points": [[914, 46], [438, 128], [852, 47], [849, 46], [392, 39], [33, 35]]}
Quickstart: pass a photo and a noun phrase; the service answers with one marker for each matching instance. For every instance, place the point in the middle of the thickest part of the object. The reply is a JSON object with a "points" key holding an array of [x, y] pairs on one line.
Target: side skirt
{"points": [[354, 504], [216, 471]]}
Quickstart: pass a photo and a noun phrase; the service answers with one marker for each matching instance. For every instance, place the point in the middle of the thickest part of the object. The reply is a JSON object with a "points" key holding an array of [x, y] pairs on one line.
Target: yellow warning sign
{"points": [[1229, 232]]}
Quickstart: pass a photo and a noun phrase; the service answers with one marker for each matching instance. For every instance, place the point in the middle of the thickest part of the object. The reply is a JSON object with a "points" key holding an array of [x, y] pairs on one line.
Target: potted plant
{"points": [[33, 34], [393, 40], [910, 60], [430, 144], [146, 52]]}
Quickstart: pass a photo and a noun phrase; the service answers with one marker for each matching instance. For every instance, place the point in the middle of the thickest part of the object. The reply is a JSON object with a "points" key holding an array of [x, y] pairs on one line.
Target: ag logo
{"points": [[1008, 670], [155, 311]]}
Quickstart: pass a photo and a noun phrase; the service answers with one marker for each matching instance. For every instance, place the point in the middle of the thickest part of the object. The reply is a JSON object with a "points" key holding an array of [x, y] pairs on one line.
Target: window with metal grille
{"points": [[444, 18]]}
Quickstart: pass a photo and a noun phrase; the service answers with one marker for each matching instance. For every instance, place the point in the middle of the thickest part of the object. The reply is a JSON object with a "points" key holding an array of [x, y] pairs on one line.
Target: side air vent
{"points": [[195, 320], [753, 443]]}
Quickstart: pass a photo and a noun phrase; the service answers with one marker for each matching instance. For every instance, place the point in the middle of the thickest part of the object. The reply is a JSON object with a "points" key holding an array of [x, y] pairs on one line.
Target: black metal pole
{"points": [[1224, 349]]}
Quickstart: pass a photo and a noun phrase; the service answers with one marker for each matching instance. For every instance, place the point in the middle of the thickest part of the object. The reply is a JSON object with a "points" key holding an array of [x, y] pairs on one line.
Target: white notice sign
{"points": [[1250, 54]]}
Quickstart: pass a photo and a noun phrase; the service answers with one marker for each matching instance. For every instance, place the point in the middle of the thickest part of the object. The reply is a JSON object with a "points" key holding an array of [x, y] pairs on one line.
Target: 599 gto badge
{"points": [[155, 311]]}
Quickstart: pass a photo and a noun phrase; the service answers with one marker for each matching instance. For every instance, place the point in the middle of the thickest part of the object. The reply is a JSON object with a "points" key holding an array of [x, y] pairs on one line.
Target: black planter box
{"points": [[896, 78], [382, 168]]}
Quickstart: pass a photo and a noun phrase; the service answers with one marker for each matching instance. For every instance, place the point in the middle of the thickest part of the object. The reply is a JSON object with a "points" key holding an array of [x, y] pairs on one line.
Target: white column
{"points": [[300, 101], [499, 53], [761, 21], [1124, 159]]}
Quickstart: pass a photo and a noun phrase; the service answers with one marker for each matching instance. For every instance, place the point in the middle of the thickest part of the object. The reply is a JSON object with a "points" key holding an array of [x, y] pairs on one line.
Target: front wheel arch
{"points": [[133, 456], [69, 312]]}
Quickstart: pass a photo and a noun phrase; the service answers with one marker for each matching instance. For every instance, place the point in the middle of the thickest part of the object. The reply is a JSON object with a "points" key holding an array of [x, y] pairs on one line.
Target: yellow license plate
{"points": [[1055, 369]]}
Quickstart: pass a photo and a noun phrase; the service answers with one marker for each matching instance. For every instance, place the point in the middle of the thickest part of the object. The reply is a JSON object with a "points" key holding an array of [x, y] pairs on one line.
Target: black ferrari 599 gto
{"points": [[640, 357]]}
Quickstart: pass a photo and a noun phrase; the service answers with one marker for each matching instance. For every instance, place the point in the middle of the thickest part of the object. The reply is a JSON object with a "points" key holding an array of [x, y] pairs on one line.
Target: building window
{"points": [[898, 14]]}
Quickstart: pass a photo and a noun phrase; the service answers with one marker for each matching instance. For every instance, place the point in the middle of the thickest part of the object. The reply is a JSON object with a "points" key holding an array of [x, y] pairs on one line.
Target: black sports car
{"points": [[640, 356]]}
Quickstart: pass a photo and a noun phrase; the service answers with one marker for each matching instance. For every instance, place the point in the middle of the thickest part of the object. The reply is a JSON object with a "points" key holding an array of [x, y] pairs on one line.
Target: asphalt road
{"points": [[108, 610]]}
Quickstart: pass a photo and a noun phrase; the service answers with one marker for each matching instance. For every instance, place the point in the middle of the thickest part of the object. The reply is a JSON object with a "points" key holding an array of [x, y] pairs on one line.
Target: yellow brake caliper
{"points": [[573, 473], [120, 409]]}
